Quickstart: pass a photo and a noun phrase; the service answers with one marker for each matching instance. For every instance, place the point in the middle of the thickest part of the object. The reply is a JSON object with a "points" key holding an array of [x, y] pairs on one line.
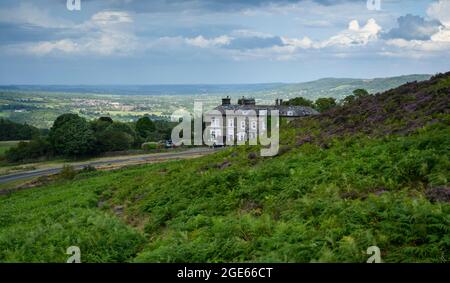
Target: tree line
{"points": [[10, 131], [324, 104], [74, 136]]}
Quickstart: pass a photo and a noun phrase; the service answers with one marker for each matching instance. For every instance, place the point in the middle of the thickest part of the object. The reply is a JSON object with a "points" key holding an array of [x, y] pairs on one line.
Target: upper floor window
{"points": [[230, 122], [253, 125], [243, 125]]}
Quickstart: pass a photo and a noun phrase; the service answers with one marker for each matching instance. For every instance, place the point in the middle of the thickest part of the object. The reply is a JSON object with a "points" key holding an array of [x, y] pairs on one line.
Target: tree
{"points": [[116, 137], [71, 135], [144, 127], [36, 148], [299, 101], [324, 104], [106, 119], [10, 131], [360, 93], [101, 124], [357, 93], [348, 99]]}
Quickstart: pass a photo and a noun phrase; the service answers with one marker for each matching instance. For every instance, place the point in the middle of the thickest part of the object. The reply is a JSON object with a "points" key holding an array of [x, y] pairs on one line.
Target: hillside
{"points": [[341, 87], [398, 111], [373, 172]]}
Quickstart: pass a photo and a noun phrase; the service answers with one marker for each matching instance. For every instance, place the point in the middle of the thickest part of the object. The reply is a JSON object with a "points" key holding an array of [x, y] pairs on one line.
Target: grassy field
{"points": [[312, 204]]}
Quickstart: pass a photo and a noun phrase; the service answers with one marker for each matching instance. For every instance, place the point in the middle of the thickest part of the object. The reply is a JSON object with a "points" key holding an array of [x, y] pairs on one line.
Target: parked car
{"points": [[169, 144], [215, 145]]}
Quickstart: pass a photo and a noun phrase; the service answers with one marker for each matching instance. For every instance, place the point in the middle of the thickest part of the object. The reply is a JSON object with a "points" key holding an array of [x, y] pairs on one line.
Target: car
{"points": [[168, 144], [215, 145]]}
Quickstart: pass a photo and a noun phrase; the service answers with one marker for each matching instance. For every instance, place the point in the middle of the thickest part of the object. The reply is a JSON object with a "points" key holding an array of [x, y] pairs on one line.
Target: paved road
{"points": [[117, 161]]}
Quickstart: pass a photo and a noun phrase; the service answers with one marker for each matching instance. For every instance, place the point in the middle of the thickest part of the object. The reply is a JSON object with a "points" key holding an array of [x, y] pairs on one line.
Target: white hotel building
{"points": [[230, 123]]}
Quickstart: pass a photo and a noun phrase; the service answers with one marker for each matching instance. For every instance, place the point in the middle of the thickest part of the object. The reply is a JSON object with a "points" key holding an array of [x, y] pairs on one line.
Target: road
{"points": [[114, 160]]}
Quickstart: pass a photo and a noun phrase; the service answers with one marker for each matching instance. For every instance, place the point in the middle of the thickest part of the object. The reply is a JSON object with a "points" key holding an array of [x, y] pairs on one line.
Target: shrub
{"points": [[25, 151], [68, 172]]}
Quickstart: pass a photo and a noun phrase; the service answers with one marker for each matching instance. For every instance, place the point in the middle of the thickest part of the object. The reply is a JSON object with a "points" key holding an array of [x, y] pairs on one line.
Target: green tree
{"points": [[357, 93], [299, 101], [101, 124], [71, 135], [348, 99], [13, 131], [116, 137], [360, 93], [36, 148], [144, 127], [324, 104]]}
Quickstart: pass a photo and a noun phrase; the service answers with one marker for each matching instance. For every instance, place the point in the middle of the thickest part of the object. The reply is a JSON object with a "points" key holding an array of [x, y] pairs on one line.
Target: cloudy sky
{"points": [[219, 41]]}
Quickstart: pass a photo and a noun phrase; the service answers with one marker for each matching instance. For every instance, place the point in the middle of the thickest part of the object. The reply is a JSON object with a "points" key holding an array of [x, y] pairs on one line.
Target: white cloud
{"points": [[27, 13], [303, 43], [440, 11], [106, 18], [354, 35], [109, 33], [437, 45], [43, 48], [105, 33], [443, 35], [291, 48], [202, 42], [250, 33]]}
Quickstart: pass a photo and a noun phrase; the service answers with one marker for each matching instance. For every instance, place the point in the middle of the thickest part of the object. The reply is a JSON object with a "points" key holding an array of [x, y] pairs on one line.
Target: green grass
{"points": [[39, 225], [308, 205], [5, 145]]}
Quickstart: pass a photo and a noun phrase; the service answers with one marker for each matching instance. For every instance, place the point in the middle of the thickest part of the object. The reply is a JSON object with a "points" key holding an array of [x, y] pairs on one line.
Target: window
{"points": [[243, 125], [230, 122], [263, 125], [213, 134], [254, 125], [290, 113]]}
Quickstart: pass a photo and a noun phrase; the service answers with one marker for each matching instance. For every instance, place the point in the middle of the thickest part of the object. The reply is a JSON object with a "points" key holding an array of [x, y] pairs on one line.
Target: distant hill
{"points": [[342, 87], [327, 87], [175, 89]]}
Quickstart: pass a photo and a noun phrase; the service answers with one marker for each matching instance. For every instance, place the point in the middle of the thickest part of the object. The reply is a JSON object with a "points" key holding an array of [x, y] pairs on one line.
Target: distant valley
{"points": [[39, 105]]}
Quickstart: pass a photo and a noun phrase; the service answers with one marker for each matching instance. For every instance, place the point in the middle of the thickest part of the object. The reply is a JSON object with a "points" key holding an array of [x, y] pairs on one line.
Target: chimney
{"points": [[249, 101], [276, 102], [281, 101], [226, 101]]}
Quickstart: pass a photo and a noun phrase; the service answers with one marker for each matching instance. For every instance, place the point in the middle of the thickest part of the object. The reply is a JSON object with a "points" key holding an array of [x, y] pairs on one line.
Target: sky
{"points": [[219, 41]]}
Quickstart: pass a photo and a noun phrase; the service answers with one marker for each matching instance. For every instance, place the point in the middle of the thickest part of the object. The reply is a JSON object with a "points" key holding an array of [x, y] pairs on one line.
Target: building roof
{"points": [[285, 111]]}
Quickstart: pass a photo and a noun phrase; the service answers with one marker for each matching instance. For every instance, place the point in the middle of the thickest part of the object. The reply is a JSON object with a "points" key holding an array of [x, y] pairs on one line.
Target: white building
{"points": [[231, 123]]}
